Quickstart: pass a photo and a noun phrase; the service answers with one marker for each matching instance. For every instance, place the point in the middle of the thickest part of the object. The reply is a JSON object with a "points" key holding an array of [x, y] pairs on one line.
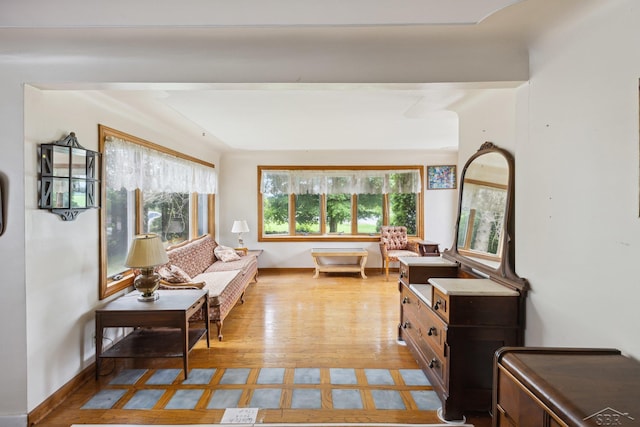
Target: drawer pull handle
{"points": [[405, 300], [402, 274], [437, 305], [433, 363], [432, 331], [406, 325]]}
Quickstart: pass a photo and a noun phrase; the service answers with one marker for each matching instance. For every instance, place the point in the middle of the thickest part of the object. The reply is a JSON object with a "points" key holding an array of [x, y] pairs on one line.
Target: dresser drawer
{"points": [[441, 304], [409, 301], [418, 314], [433, 329], [434, 363], [426, 326], [403, 273], [515, 406], [433, 366]]}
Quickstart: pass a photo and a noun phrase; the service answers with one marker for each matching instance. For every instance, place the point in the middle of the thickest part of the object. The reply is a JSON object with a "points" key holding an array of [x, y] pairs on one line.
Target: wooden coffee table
{"points": [[161, 326], [319, 253]]}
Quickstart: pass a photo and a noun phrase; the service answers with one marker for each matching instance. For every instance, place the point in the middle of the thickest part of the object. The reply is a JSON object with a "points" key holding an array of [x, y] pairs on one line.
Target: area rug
{"points": [[268, 388]]}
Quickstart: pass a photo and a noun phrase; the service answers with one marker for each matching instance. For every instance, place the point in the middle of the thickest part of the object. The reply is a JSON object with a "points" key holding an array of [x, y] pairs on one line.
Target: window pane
{"points": [[338, 213], [167, 214], [402, 211], [369, 213], [308, 213], [203, 214], [276, 214], [119, 218]]}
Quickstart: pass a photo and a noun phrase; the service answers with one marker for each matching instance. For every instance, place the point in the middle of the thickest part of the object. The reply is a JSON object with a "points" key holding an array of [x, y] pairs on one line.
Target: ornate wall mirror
{"points": [[484, 238], [68, 181]]}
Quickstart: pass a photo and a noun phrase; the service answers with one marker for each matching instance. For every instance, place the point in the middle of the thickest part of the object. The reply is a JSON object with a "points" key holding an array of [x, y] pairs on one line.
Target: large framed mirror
{"points": [[484, 239]]}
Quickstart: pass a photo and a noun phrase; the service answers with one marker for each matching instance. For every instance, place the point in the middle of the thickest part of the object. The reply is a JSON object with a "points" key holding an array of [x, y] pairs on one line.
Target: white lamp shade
{"points": [[146, 251], [240, 227]]}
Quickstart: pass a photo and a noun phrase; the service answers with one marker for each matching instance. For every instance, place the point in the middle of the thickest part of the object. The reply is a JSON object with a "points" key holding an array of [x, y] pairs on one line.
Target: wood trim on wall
{"points": [[107, 286], [60, 395], [105, 130]]}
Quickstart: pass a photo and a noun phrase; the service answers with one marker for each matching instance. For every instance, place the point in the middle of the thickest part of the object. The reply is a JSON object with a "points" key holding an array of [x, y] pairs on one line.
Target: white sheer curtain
{"points": [[277, 182], [134, 166]]}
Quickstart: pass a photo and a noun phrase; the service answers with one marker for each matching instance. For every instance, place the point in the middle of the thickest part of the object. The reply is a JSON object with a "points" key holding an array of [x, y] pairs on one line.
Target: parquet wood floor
{"points": [[289, 320]]}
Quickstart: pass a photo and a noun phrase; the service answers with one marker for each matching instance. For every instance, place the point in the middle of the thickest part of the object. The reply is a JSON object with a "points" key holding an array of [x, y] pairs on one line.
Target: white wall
{"points": [[62, 256], [238, 192], [577, 168], [490, 116], [573, 130]]}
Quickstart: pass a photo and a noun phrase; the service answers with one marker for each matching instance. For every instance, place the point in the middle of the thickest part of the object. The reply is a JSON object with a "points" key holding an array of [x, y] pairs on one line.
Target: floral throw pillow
{"points": [[173, 274], [226, 254]]}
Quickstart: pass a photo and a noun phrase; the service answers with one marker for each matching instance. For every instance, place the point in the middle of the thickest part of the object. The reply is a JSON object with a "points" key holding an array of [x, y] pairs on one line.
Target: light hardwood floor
{"points": [[288, 320]]}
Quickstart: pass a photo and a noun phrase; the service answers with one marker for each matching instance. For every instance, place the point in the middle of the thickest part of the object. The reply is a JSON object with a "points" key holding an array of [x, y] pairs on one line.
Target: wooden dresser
{"points": [[458, 309], [565, 387], [453, 326]]}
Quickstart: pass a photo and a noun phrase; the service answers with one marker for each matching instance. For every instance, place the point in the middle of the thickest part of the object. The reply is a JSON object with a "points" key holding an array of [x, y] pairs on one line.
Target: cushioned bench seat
{"points": [[194, 264]]}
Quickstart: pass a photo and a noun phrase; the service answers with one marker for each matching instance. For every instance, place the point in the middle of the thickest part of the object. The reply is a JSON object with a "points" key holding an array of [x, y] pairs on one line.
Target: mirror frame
{"points": [[505, 272]]}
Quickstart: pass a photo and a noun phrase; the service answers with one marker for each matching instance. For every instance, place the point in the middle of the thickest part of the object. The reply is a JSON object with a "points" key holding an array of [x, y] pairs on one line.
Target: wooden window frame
{"points": [[110, 285], [324, 237]]}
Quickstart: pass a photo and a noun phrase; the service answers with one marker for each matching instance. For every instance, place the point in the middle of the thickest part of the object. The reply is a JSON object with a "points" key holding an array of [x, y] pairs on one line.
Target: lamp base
{"points": [[147, 298], [147, 283]]}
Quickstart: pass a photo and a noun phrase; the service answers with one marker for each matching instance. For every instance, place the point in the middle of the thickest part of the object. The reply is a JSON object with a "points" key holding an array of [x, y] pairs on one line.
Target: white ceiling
{"points": [[309, 116], [292, 116]]}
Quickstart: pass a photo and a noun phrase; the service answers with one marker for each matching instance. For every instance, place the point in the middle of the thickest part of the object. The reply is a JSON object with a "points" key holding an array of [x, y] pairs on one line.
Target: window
{"points": [[148, 189], [338, 203]]}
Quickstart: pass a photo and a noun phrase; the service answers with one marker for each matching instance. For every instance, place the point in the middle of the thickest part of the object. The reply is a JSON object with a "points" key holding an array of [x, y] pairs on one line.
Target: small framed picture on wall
{"points": [[441, 177]]}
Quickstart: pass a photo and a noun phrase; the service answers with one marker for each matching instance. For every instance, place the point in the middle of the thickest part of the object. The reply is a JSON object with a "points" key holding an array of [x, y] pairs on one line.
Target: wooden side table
{"points": [[161, 326]]}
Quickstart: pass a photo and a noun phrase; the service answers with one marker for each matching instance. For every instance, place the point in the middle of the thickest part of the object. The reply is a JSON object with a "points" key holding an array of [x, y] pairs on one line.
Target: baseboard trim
{"points": [[59, 396]]}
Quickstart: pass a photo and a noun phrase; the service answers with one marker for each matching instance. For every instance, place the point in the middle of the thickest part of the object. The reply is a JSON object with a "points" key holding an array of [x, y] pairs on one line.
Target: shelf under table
{"points": [[153, 342]]}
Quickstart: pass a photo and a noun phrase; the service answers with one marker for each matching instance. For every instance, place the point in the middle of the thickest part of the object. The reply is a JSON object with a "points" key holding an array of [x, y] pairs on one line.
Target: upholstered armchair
{"points": [[394, 244]]}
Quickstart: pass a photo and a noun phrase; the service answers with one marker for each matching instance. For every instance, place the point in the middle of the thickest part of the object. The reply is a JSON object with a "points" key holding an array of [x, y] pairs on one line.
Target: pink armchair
{"points": [[394, 243]]}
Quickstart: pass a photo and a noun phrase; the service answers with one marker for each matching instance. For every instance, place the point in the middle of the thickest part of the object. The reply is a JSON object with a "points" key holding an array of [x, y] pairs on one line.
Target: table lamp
{"points": [[240, 227], [145, 253]]}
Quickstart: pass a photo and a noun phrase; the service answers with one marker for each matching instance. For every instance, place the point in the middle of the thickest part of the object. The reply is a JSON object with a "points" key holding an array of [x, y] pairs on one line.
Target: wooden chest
{"points": [[565, 387]]}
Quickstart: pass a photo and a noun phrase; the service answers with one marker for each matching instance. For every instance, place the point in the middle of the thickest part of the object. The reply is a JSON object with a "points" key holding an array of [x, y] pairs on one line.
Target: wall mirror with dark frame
{"points": [[485, 236]]}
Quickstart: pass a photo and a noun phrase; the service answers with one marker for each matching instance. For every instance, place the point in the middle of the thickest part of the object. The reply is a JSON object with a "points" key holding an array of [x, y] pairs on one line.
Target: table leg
{"points": [[98, 343], [317, 273], [205, 307], [363, 262], [185, 346]]}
